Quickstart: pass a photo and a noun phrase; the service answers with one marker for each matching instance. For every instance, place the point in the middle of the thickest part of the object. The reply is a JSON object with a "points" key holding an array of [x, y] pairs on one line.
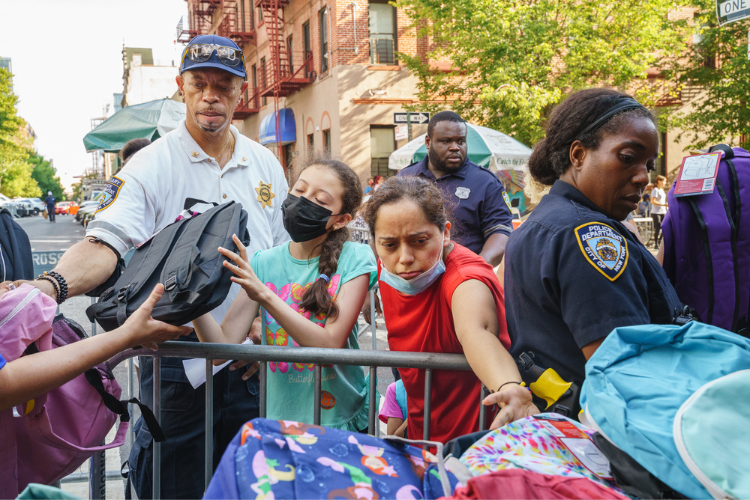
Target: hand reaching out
{"points": [[244, 274], [145, 330], [515, 402]]}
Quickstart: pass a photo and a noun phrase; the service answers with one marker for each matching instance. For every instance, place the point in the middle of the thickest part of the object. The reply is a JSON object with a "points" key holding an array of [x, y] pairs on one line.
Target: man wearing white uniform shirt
{"points": [[206, 159]]}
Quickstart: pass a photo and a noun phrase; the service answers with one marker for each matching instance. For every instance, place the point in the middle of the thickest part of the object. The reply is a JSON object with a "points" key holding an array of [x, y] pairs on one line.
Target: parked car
{"points": [[66, 208], [86, 208], [34, 206], [11, 205]]}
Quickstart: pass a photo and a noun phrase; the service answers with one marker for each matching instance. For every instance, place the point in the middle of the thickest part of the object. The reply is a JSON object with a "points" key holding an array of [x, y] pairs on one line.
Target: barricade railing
{"points": [[265, 354]]}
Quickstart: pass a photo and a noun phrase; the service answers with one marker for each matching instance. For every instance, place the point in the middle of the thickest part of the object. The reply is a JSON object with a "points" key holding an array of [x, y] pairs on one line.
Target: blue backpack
{"points": [[707, 245], [636, 383]]}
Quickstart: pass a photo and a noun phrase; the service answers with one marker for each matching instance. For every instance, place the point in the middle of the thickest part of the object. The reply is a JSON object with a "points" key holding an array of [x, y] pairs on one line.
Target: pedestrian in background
{"points": [[50, 201], [474, 197], [370, 185], [132, 147], [658, 207], [377, 181]]}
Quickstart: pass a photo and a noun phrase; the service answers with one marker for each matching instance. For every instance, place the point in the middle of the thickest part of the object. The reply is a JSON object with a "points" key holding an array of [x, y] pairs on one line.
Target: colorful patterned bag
{"points": [[547, 443], [271, 459]]}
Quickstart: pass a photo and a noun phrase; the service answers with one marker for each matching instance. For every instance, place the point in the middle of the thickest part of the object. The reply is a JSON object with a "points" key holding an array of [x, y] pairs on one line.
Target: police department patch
{"points": [[110, 193], [507, 200], [604, 248]]}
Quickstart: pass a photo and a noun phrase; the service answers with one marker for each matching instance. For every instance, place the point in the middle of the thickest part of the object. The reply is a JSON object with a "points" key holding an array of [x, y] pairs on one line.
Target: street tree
{"points": [[506, 64], [15, 145], [45, 175], [716, 70]]}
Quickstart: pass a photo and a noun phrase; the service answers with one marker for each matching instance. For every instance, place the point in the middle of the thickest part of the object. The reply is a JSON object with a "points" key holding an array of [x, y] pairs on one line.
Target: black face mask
{"points": [[303, 219]]}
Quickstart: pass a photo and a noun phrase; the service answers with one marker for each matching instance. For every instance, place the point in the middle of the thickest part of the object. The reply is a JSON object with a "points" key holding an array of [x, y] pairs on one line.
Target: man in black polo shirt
{"points": [[478, 208]]}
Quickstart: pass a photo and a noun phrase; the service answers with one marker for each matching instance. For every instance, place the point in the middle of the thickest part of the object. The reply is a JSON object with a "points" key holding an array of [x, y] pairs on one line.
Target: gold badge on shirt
{"points": [[265, 195]]}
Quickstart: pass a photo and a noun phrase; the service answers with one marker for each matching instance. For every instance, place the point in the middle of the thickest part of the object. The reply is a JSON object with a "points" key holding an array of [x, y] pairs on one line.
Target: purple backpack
{"points": [[707, 245], [56, 432]]}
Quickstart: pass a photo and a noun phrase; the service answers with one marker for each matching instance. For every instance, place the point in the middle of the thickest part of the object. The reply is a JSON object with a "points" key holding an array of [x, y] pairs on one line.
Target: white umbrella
{"points": [[486, 147]]}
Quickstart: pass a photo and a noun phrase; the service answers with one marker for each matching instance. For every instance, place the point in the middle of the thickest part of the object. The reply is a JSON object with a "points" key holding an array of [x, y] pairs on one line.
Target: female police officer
{"points": [[574, 271]]}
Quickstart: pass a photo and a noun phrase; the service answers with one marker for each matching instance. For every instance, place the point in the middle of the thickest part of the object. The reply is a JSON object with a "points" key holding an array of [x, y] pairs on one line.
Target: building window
{"points": [[327, 140], [382, 32], [308, 46], [311, 143], [289, 46], [324, 55], [260, 16], [382, 144], [251, 18]]}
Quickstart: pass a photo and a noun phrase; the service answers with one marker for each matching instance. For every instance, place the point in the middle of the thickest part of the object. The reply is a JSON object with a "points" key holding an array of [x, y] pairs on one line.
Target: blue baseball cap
{"points": [[215, 60]]}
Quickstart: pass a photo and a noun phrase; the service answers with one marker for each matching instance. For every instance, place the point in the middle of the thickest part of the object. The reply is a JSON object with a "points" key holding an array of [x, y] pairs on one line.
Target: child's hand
{"points": [[145, 330], [244, 274]]}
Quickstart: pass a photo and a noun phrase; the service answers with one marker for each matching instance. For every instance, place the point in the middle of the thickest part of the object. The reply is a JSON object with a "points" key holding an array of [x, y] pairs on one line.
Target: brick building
{"points": [[328, 68]]}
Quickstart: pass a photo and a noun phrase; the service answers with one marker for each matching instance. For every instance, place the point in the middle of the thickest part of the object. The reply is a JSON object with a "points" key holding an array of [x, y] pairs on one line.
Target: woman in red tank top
{"points": [[440, 297]]}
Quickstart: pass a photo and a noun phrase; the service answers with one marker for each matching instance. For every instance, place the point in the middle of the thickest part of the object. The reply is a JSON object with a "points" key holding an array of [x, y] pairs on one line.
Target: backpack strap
{"points": [[178, 268], [740, 176], [718, 234], [93, 377], [120, 408]]}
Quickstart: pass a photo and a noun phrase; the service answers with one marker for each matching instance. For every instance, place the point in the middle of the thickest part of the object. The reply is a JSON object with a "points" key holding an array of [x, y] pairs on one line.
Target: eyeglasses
{"points": [[201, 52]]}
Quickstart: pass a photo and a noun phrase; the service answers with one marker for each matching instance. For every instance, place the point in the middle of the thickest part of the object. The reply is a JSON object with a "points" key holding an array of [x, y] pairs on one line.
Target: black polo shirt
{"points": [[572, 275], [476, 201]]}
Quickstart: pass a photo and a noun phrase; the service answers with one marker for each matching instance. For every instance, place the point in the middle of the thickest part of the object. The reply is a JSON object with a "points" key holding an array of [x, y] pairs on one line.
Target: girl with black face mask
{"points": [[309, 293]]}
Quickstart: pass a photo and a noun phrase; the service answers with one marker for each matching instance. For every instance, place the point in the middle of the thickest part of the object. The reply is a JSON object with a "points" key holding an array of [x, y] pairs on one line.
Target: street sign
{"points": [[729, 11], [402, 132], [420, 117], [45, 261]]}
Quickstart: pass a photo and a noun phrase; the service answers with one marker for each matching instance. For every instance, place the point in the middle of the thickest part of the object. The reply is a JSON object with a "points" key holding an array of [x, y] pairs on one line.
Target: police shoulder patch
{"points": [[110, 193], [604, 248], [507, 200]]}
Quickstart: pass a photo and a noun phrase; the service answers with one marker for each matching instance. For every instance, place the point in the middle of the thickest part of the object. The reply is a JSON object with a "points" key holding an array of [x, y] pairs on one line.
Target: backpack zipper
{"points": [[716, 492], [19, 306]]}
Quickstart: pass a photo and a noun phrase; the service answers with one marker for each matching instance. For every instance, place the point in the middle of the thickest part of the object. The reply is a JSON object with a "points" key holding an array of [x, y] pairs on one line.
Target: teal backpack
{"points": [[672, 404]]}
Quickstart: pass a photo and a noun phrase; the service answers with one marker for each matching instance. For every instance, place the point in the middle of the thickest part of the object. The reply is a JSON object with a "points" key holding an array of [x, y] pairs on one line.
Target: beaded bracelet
{"points": [[63, 285], [54, 285]]}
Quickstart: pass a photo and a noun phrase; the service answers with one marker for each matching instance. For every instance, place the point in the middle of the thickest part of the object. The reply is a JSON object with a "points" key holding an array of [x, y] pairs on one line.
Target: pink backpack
{"points": [[56, 432]]}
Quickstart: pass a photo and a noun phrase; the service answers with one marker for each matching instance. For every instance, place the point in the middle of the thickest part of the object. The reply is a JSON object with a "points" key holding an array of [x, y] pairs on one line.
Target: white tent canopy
{"points": [[491, 149]]}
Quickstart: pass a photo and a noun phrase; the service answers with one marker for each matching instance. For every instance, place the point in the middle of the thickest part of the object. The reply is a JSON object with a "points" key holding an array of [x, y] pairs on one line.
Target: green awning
{"points": [[149, 120]]}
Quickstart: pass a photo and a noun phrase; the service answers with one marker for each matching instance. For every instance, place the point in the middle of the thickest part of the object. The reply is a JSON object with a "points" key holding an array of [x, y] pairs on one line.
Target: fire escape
{"points": [[288, 70]]}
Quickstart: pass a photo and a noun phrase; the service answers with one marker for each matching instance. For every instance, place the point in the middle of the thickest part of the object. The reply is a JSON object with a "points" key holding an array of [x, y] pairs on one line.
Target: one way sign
{"points": [[421, 117]]}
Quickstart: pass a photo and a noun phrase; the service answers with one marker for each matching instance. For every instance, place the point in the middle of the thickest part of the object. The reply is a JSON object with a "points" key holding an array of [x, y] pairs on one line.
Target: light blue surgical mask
{"points": [[416, 285]]}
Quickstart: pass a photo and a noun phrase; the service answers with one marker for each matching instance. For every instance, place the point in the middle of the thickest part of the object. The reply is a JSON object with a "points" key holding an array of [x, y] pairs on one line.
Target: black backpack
{"points": [[15, 250], [184, 257]]}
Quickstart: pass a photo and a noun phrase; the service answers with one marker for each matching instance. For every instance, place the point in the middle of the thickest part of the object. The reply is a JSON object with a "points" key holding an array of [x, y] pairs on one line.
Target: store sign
{"points": [[730, 11]]}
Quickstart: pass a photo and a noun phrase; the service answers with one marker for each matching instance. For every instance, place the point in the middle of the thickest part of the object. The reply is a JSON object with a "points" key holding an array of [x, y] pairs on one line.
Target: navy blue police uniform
{"points": [[575, 275], [476, 201]]}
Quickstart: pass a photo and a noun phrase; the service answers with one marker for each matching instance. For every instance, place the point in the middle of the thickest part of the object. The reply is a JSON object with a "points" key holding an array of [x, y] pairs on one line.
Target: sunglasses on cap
{"points": [[201, 52]]}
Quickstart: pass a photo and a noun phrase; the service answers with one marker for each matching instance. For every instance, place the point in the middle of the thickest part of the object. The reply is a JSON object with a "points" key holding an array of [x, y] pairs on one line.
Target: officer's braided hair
{"points": [[551, 156], [422, 192], [316, 299]]}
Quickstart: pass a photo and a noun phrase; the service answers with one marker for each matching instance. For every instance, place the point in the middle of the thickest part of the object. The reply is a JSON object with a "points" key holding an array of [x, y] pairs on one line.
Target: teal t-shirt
{"points": [[291, 386]]}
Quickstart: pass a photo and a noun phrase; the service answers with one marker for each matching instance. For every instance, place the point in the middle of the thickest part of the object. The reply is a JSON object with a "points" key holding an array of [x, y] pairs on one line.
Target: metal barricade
{"points": [[264, 354]]}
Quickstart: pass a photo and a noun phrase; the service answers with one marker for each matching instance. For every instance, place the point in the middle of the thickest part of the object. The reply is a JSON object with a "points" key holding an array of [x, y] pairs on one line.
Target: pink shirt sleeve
{"points": [[390, 408]]}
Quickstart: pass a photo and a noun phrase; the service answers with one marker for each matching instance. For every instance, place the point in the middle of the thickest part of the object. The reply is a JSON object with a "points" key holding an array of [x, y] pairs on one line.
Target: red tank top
{"points": [[424, 323]]}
